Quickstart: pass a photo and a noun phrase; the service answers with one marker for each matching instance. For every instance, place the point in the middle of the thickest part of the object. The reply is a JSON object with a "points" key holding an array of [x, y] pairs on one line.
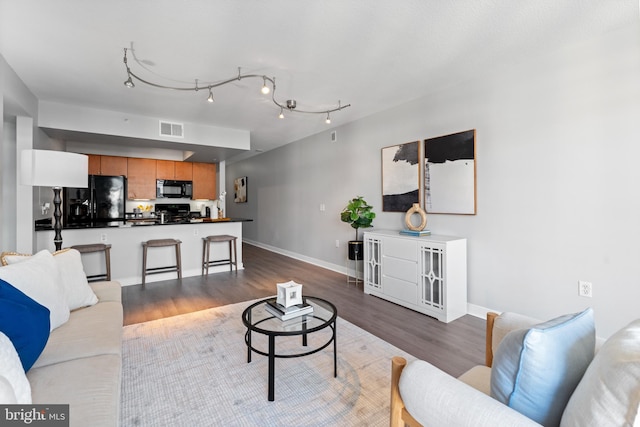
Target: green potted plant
{"points": [[359, 214]]}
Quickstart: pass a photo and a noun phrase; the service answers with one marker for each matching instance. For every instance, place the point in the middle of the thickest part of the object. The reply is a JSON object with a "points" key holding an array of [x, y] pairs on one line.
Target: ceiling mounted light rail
{"points": [[290, 104]]}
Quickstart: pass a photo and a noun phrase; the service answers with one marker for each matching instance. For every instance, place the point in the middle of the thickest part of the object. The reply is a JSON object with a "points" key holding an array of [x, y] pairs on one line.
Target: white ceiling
{"points": [[372, 54]]}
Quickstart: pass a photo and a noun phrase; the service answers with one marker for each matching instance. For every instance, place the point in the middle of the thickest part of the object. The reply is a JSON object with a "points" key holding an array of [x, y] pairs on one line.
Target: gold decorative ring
{"points": [[423, 216]]}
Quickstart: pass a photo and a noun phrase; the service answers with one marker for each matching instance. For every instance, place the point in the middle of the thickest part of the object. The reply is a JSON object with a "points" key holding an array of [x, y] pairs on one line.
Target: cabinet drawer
{"points": [[401, 248], [400, 289], [400, 269]]}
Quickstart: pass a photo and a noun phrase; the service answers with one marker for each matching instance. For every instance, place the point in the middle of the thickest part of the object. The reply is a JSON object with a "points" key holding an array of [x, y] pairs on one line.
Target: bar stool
{"points": [[97, 247], [206, 252], [158, 243]]}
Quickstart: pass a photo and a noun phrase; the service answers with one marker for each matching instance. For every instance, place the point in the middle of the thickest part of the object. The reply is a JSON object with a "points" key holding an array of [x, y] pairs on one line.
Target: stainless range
{"points": [[173, 213]]}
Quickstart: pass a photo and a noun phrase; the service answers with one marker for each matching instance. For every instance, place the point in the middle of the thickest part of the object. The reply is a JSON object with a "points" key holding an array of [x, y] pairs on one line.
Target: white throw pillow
{"points": [[77, 291], [7, 395], [11, 370], [39, 279], [609, 392]]}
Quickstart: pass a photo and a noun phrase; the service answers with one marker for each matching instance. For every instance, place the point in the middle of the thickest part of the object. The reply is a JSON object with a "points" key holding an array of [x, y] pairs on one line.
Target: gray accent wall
{"points": [[557, 147]]}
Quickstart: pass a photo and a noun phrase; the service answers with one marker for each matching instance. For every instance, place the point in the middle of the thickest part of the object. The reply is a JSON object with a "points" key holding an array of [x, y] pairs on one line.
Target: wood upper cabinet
{"points": [[107, 165], [113, 165], [168, 169], [184, 171], [94, 164], [165, 169], [141, 174], [204, 181]]}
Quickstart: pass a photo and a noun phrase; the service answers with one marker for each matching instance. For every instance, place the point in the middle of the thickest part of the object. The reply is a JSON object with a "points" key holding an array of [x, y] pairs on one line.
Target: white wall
{"points": [[557, 145]]}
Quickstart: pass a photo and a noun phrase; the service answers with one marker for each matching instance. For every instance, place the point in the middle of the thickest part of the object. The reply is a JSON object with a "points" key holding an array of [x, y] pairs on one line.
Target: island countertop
{"points": [[126, 247]]}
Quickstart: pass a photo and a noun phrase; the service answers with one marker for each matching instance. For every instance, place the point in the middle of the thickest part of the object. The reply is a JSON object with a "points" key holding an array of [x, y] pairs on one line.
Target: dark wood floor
{"points": [[453, 347]]}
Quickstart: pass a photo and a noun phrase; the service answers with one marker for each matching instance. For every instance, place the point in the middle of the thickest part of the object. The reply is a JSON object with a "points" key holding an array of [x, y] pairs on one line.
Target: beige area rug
{"points": [[192, 370]]}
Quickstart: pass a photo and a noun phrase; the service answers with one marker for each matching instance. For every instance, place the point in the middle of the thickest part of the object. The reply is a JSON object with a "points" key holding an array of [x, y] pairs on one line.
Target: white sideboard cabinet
{"points": [[427, 274]]}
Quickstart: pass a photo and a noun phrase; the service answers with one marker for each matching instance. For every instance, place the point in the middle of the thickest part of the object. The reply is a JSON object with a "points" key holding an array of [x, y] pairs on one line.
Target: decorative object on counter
{"points": [[55, 169], [415, 209], [240, 190], [289, 293], [400, 176], [289, 104], [359, 214], [221, 199]]}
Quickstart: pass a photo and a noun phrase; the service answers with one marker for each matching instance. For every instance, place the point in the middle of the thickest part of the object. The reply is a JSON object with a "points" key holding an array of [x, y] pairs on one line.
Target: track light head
{"points": [[129, 83], [281, 115], [210, 98], [265, 88], [328, 119]]}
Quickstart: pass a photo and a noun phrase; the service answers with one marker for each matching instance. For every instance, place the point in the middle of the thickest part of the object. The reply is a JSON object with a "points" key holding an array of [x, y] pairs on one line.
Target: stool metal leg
{"points": [[144, 263], [179, 261], [107, 257], [235, 255]]}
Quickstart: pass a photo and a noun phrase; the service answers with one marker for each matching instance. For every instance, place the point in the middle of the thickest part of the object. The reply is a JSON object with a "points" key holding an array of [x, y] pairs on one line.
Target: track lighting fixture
{"points": [[290, 104], [265, 88]]}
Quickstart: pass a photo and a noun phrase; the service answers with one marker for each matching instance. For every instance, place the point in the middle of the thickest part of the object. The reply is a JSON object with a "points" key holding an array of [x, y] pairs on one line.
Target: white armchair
{"points": [[607, 394]]}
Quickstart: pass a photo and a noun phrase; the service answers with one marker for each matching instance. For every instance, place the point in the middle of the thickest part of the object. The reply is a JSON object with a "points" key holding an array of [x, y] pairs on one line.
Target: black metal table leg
{"points": [[272, 366], [304, 330], [335, 352]]}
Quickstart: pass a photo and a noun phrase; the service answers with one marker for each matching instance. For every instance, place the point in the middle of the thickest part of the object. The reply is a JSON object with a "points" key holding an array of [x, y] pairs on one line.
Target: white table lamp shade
{"points": [[46, 168]]}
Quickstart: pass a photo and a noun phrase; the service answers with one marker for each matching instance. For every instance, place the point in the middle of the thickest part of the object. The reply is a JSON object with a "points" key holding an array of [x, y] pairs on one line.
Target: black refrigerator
{"points": [[102, 203]]}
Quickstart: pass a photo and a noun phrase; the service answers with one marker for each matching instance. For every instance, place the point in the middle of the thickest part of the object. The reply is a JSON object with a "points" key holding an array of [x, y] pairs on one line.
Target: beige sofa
{"points": [[608, 393], [81, 364]]}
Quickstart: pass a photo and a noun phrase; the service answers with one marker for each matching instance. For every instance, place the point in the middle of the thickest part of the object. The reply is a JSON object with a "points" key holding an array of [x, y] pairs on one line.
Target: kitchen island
{"points": [[126, 247]]}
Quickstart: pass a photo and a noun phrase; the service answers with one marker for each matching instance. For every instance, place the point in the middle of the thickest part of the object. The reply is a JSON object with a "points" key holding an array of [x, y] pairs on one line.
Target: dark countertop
{"points": [[140, 223]]}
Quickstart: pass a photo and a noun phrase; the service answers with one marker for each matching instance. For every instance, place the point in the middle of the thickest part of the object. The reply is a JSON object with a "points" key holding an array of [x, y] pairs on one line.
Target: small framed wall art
{"points": [[240, 190]]}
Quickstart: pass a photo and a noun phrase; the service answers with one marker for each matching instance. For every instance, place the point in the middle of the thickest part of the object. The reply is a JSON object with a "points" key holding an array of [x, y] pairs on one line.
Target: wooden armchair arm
{"points": [[491, 318], [399, 416]]}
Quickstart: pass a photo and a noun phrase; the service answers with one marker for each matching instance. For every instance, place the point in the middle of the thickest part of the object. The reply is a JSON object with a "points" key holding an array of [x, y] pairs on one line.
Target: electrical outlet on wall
{"points": [[585, 289]]}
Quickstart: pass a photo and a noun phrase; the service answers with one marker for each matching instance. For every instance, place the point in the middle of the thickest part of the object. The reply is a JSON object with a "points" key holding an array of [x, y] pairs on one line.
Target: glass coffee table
{"points": [[258, 320]]}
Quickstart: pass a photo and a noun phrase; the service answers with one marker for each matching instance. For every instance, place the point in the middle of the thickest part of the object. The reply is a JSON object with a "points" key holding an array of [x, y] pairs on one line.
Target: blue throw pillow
{"points": [[25, 322], [536, 370]]}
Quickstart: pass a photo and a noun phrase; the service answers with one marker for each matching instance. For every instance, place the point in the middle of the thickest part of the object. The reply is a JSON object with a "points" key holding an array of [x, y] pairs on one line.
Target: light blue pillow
{"points": [[535, 370]]}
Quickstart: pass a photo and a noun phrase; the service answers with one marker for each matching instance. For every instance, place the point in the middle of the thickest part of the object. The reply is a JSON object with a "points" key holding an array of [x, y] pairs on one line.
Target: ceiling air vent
{"points": [[171, 129]]}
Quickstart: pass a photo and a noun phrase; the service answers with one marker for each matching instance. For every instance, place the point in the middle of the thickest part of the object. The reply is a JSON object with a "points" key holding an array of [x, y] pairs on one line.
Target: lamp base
{"points": [[57, 214]]}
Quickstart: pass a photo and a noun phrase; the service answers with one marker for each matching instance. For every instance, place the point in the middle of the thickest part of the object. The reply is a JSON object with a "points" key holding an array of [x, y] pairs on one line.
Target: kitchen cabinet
{"points": [[141, 174], [204, 181], [168, 169], [427, 274], [107, 165], [113, 165], [94, 164], [184, 171]]}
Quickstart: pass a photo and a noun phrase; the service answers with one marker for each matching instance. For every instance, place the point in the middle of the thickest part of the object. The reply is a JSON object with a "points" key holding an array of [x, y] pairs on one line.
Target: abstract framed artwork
{"points": [[400, 176], [438, 173], [449, 174], [240, 190]]}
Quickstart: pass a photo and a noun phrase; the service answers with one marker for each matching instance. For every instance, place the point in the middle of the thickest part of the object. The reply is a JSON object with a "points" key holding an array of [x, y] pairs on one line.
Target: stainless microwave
{"points": [[166, 188]]}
